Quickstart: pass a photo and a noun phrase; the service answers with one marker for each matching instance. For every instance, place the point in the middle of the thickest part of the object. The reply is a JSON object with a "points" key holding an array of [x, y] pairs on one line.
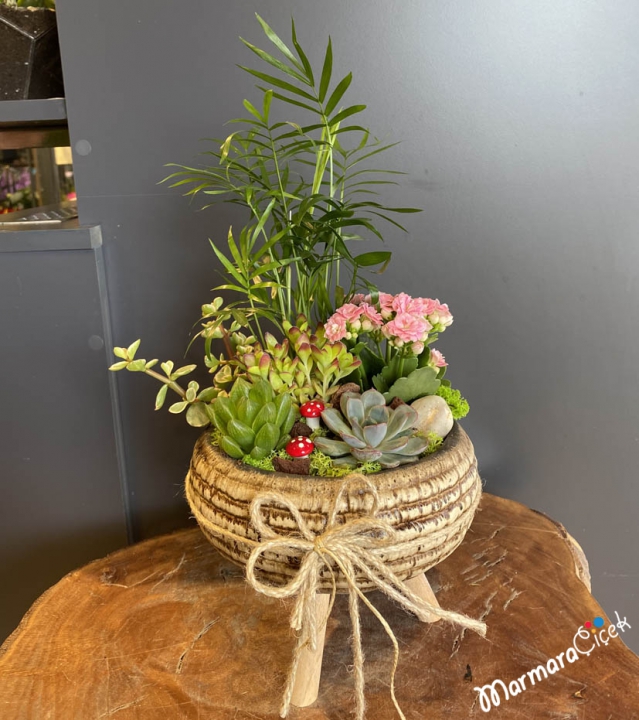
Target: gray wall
{"points": [[519, 123]]}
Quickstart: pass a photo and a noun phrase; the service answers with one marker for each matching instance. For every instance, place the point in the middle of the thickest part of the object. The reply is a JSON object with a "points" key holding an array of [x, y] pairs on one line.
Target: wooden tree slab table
{"points": [[168, 629]]}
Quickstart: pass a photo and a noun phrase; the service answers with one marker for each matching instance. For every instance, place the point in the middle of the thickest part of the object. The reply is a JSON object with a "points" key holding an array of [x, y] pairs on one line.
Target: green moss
{"points": [[434, 443], [263, 464], [216, 436], [323, 466], [458, 405]]}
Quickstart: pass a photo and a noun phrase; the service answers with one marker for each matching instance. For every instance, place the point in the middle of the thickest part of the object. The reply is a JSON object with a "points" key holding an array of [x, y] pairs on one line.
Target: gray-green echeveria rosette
{"points": [[370, 431]]}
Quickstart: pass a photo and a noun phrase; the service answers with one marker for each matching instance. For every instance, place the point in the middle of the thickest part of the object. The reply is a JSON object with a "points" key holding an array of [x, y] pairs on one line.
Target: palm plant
{"points": [[305, 188]]}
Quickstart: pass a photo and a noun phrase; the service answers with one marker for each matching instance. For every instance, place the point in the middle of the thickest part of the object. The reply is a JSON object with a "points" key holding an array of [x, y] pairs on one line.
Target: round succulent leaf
{"points": [[207, 394], [378, 414], [366, 454], [394, 444], [196, 415], [178, 407], [230, 447], [390, 460], [334, 421], [333, 448], [418, 383], [371, 398], [267, 437], [402, 418], [266, 414], [242, 434], [136, 366], [375, 434], [355, 410], [347, 461], [161, 397], [414, 446], [353, 441], [344, 399]]}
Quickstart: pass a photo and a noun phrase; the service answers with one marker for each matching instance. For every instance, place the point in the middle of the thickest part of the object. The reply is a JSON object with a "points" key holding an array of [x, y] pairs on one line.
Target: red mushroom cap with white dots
{"points": [[312, 408], [300, 447]]}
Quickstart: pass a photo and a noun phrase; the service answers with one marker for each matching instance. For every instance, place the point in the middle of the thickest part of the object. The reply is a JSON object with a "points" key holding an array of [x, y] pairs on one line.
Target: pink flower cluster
{"points": [[400, 319]]}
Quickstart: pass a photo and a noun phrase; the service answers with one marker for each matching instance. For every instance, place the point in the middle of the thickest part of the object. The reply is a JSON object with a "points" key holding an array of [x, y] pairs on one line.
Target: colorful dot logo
{"points": [[595, 625]]}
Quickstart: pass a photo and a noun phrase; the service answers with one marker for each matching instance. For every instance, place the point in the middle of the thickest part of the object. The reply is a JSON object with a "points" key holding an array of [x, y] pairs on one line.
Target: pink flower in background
{"points": [[441, 315], [370, 313], [407, 328], [422, 306], [359, 298], [401, 303], [335, 328], [385, 305], [436, 359], [350, 312]]}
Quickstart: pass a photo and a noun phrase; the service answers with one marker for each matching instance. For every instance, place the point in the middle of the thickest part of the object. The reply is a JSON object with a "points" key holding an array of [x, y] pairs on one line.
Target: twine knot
{"points": [[350, 547]]}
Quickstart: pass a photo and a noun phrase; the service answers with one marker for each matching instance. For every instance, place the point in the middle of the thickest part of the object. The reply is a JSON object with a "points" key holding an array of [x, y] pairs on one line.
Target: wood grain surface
{"points": [[167, 629]]}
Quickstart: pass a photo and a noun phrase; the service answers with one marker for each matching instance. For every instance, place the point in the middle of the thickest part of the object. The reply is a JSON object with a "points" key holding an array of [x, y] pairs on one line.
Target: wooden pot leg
{"points": [[421, 587], [309, 669]]}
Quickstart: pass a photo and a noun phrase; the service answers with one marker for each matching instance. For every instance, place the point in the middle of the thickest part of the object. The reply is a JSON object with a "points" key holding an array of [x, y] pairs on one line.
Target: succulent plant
{"points": [[252, 420], [304, 365], [370, 431]]}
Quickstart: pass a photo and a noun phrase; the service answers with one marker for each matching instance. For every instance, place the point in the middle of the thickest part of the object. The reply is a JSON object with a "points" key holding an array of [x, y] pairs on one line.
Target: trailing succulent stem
{"points": [[193, 400], [370, 431]]}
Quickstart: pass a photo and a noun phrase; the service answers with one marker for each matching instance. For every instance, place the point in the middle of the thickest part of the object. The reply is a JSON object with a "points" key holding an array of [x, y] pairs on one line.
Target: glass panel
{"points": [[35, 177]]}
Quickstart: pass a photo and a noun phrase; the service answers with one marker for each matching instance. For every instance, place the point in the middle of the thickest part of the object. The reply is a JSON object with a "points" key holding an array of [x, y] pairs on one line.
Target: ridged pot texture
{"points": [[430, 504]]}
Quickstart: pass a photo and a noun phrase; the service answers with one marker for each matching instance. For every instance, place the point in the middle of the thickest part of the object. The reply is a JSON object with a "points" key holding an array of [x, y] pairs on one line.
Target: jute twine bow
{"points": [[353, 545]]}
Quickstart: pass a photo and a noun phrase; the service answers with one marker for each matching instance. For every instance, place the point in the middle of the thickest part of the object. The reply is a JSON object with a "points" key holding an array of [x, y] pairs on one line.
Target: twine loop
{"points": [[350, 547]]}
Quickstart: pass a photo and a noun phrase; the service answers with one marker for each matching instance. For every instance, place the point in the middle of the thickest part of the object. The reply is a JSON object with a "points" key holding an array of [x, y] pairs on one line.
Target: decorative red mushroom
{"points": [[312, 410], [300, 447]]}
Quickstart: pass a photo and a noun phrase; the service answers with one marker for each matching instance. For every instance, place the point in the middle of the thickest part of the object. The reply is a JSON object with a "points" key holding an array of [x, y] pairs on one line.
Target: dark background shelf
{"points": [[69, 235], [18, 113]]}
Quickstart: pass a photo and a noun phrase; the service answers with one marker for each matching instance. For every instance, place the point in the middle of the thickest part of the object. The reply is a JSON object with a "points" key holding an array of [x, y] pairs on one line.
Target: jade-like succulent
{"points": [[252, 420], [304, 365], [371, 431]]}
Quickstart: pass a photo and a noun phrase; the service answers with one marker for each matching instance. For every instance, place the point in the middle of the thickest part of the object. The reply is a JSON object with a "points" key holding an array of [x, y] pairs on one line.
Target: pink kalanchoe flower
{"points": [[358, 299], [441, 315], [401, 303], [371, 319], [407, 328], [335, 328], [385, 305], [370, 312], [422, 306], [351, 313], [436, 359]]}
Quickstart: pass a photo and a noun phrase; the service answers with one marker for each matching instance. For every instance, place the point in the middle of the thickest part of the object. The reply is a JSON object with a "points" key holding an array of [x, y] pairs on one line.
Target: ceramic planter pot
{"points": [[30, 64], [430, 504]]}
